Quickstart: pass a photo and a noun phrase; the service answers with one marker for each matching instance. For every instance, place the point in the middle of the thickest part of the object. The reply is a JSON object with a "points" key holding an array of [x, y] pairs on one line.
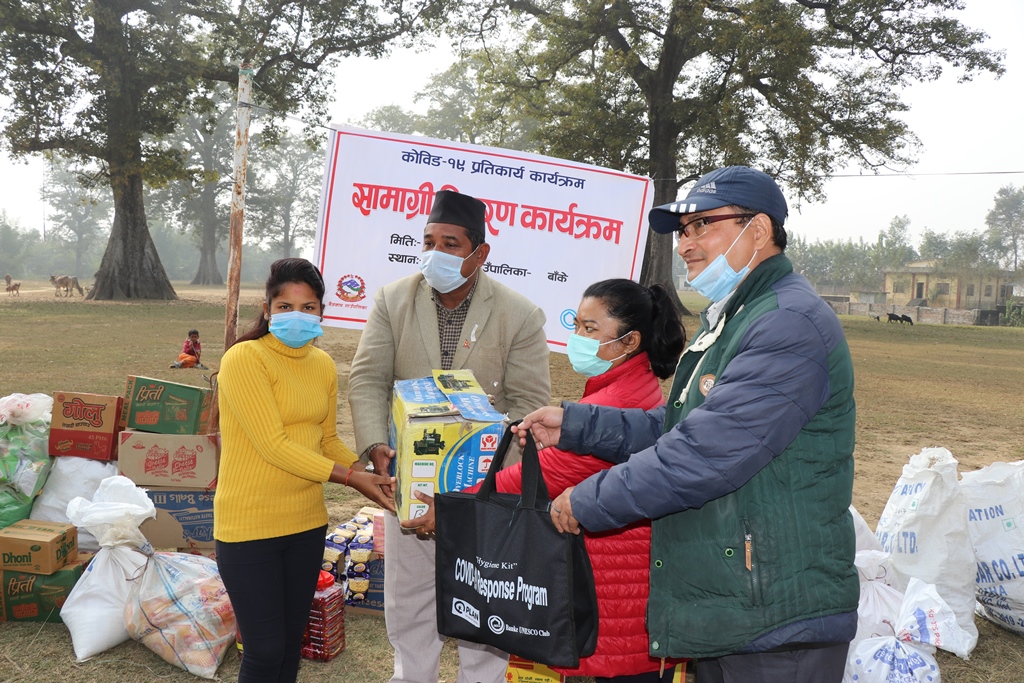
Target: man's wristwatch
{"points": [[364, 457]]}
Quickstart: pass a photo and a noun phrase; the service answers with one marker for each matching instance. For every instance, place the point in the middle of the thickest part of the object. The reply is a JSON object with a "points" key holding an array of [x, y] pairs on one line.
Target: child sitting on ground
{"points": [[190, 352]]}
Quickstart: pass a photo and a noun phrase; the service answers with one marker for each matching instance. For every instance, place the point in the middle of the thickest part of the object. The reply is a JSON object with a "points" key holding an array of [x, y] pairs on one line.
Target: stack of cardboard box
{"points": [[166, 449], [39, 565]]}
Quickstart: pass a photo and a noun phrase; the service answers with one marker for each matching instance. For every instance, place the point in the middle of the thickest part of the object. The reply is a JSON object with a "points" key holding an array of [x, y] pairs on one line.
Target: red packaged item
{"points": [[325, 632]]}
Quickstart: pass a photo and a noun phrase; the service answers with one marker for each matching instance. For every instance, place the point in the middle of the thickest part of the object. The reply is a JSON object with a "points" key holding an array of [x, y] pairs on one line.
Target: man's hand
{"points": [[375, 487], [561, 513], [544, 423], [381, 457], [424, 525]]}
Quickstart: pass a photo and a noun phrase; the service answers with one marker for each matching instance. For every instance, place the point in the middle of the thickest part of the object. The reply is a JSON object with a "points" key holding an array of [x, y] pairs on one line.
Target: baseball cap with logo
{"points": [[729, 186]]}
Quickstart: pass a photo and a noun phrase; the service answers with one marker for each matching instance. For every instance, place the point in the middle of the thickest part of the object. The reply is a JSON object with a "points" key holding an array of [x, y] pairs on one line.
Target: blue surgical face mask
{"points": [[719, 279], [582, 353], [443, 271], [295, 328]]}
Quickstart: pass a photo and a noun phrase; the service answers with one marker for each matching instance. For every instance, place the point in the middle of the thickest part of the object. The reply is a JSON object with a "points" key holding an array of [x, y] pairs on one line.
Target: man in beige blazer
{"points": [[450, 315]]}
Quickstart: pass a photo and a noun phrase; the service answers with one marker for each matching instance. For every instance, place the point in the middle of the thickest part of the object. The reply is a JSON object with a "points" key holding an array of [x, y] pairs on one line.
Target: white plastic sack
{"points": [[866, 539], [925, 622], [879, 605], [995, 512], [924, 529], [94, 611], [180, 610], [71, 478]]}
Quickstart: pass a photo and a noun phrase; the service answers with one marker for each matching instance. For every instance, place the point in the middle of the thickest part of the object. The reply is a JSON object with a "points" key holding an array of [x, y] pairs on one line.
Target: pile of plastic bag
{"points": [[24, 453], [174, 603]]}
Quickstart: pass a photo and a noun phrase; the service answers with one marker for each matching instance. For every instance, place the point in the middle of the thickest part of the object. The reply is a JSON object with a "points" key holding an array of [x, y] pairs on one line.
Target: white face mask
{"points": [[443, 271], [718, 279]]}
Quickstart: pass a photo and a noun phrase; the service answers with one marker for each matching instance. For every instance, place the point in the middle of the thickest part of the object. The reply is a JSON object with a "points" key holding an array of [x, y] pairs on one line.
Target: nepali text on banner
{"points": [[554, 226]]}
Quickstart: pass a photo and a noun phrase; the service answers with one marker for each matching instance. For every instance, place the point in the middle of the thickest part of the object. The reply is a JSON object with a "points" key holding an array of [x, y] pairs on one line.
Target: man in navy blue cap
{"points": [[747, 472]]}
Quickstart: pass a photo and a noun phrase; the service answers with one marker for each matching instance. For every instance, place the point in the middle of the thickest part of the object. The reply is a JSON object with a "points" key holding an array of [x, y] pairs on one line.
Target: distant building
{"points": [[924, 283]]}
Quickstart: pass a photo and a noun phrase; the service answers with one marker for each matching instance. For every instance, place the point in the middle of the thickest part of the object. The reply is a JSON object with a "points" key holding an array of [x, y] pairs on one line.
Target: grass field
{"points": [[957, 387]]}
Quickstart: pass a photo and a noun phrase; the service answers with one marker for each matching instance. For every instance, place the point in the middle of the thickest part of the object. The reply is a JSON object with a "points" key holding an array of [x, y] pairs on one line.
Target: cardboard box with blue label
{"points": [[184, 518], [445, 434]]}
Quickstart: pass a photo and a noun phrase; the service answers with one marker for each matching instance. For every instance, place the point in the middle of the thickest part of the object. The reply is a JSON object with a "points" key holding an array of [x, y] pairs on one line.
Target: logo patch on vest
{"points": [[705, 383]]}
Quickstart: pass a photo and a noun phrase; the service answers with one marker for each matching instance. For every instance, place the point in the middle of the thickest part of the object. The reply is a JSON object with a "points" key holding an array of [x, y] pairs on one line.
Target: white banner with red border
{"points": [[554, 226]]}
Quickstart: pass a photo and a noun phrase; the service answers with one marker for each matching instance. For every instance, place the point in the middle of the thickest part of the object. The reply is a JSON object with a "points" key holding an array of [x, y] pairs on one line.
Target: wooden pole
{"points": [[238, 204]]}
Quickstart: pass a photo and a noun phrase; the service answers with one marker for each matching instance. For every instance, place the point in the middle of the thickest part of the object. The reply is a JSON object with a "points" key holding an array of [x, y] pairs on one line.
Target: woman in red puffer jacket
{"points": [[626, 337]]}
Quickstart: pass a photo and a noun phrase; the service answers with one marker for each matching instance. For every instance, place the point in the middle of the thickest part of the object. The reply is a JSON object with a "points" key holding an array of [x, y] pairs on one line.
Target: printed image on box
{"points": [[156, 405], [189, 460], [38, 597], [85, 425], [184, 518], [444, 432]]}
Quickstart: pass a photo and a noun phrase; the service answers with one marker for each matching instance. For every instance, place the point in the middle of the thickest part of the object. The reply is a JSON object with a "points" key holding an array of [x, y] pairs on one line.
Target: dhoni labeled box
{"points": [[444, 432], [156, 405], [85, 425], [38, 547], [188, 460]]}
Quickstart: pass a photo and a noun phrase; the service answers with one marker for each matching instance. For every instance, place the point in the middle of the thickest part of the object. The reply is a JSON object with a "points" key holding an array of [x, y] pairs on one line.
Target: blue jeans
{"points": [[271, 584]]}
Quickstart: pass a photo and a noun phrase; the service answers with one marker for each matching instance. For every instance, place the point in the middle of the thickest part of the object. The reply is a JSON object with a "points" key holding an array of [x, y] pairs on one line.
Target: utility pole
{"points": [[238, 204]]}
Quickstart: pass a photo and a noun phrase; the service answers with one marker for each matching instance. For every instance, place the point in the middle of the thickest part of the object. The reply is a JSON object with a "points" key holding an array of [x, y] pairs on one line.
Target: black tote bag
{"points": [[506, 577]]}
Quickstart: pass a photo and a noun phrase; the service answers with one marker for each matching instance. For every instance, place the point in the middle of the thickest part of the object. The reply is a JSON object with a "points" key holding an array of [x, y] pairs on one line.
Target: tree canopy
{"points": [[106, 80], [1006, 225], [675, 88]]}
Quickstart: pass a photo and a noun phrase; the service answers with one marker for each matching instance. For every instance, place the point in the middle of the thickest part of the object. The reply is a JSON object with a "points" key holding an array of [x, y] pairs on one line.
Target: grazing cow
{"points": [[906, 319], [893, 318], [62, 282], [877, 318], [66, 283], [13, 289]]}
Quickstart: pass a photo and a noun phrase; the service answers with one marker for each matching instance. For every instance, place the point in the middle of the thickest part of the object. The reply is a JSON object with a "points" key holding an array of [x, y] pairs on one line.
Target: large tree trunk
{"points": [[208, 273], [131, 267]]}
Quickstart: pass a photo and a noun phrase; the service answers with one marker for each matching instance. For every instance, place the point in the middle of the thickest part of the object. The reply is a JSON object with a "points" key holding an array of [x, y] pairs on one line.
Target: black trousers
{"points": [[649, 677], [805, 665], [271, 584]]}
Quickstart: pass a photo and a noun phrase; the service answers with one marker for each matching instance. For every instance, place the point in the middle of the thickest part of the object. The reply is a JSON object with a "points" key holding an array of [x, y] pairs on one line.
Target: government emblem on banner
{"points": [[351, 288]]}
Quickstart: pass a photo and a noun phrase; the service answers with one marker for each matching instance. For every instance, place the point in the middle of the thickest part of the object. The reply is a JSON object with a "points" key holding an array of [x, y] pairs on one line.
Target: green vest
{"points": [[780, 548]]}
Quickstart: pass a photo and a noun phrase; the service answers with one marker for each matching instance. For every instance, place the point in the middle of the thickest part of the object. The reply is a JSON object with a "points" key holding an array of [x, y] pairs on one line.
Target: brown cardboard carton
{"points": [[85, 425], [156, 405], [184, 518], [38, 547], [38, 597], [187, 460]]}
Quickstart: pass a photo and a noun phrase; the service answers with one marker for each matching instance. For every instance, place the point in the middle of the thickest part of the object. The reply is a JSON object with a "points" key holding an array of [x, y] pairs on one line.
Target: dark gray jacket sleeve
{"points": [[773, 386], [610, 434]]}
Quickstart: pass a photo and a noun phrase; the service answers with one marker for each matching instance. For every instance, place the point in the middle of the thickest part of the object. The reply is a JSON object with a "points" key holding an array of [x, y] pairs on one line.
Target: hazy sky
{"points": [[975, 129]]}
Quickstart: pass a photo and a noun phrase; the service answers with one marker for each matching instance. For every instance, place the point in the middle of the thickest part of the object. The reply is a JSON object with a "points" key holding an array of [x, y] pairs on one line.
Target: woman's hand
{"points": [[376, 487], [424, 525]]}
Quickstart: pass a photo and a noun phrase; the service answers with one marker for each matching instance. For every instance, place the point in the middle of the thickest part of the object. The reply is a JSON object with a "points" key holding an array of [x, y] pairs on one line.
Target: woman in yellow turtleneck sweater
{"points": [[278, 398]]}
